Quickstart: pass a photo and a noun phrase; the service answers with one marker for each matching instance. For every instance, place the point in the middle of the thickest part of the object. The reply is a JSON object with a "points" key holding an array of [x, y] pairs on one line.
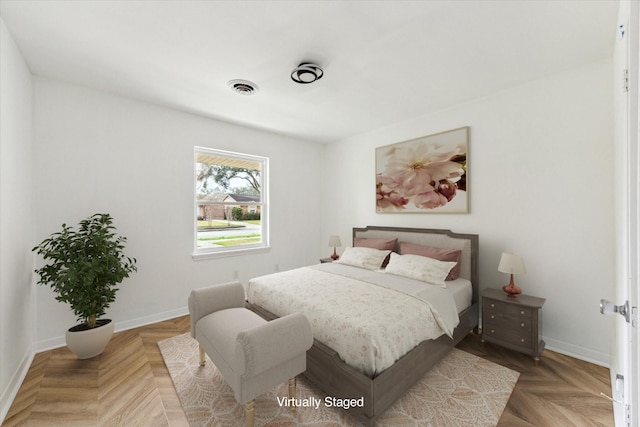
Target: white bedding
{"points": [[370, 319], [462, 292]]}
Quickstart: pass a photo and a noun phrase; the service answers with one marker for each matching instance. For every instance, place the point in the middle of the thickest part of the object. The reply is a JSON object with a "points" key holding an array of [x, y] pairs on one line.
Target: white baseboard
{"points": [[9, 394], [57, 342], [50, 344], [588, 355], [147, 320]]}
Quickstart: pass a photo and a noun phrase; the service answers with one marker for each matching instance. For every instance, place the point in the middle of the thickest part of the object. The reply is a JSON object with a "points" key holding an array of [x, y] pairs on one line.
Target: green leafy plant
{"points": [[236, 213], [84, 266]]}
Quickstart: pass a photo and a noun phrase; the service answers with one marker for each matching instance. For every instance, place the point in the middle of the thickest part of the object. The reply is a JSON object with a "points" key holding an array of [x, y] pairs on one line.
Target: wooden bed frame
{"points": [[335, 378]]}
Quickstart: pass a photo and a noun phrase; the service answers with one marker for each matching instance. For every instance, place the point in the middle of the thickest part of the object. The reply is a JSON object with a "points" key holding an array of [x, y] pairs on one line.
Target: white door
{"points": [[625, 363]]}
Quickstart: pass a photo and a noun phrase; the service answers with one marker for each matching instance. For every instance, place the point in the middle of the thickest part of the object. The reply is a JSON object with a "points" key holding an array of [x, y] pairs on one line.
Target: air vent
{"points": [[243, 87]]}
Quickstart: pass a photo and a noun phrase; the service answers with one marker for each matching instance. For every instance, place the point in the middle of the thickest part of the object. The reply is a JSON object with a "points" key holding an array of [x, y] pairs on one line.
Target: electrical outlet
{"points": [[235, 274]]}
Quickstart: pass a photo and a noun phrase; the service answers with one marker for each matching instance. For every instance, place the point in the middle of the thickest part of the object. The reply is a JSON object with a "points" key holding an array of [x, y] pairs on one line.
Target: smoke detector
{"points": [[243, 87]]}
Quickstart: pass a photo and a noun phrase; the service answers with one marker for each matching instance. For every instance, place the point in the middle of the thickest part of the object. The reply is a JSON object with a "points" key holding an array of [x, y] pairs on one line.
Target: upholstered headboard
{"points": [[467, 243]]}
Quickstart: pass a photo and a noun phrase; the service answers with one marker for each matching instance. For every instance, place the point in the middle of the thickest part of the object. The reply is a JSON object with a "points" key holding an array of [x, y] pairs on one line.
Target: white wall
{"points": [[540, 184], [17, 306], [95, 152]]}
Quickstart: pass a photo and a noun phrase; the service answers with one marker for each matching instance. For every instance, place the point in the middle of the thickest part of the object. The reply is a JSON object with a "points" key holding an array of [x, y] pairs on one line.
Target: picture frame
{"points": [[424, 175]]}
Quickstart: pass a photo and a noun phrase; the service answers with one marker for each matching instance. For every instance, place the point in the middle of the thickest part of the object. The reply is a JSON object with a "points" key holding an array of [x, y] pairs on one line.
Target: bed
{"points": [[380, 377]]}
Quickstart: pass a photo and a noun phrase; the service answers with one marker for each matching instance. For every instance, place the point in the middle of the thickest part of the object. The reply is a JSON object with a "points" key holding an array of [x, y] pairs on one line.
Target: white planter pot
{"points": [[90, 342]]}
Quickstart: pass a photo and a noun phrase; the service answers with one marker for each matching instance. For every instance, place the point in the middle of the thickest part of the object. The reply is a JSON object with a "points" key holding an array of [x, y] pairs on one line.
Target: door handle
{"points": [[607, 307]]}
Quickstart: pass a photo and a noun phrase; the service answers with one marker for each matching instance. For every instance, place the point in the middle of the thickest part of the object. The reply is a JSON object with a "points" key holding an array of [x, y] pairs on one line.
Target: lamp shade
{"points": [[511, 263], [334, 241]]}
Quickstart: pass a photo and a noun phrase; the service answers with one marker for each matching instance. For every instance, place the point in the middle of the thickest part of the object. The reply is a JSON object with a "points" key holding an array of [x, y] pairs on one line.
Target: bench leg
{"points": [[202, 359], [292, 393], [249, 414]]}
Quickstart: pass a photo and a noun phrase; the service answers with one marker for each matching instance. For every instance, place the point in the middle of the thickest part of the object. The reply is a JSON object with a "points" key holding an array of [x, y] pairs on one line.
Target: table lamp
{"points": [[335, 242], [511, 264]]}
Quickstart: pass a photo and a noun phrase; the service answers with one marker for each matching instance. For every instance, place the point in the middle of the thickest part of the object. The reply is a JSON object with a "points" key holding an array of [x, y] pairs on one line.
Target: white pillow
{"points": [[421, 268], [368, 258]]}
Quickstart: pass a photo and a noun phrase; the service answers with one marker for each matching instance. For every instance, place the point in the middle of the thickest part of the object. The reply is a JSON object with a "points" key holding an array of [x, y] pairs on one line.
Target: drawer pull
{"points": [[492, 331], [493, 305], [493, 317], [522, 325], [521, 339], [522, 312]]}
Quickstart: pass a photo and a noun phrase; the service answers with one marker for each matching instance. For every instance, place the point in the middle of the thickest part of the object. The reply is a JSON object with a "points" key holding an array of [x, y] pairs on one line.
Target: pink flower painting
{"points": [[427, 174]]}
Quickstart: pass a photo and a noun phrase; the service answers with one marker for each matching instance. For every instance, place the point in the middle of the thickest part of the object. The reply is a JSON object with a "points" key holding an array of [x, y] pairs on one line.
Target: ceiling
{"points": [[384, 61]]}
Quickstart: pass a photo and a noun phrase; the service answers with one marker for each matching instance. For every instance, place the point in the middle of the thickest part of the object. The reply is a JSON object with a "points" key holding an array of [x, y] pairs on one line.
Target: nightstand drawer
{"points": [[506, 310], [519, 334], [519, 326]]}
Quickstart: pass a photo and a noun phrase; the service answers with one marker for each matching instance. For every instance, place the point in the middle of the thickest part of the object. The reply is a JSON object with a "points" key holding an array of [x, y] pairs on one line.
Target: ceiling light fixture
{"points": [[243, 87], [306, 73]]}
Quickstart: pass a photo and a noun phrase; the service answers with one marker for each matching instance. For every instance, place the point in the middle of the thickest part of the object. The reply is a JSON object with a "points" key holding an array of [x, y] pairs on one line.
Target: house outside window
{"points": [[231, 215]]}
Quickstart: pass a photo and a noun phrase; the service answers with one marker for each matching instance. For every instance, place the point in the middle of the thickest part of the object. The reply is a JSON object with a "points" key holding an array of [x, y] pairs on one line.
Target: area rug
{"points": [[461, 390]]}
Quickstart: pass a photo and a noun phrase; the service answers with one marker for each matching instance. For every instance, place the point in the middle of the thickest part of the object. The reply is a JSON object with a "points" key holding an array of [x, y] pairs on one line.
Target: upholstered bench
{"points": [[252, 355]]}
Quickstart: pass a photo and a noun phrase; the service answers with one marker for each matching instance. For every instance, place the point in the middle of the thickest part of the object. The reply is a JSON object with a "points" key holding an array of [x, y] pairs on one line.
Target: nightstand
{"points": [[323, 260], [513, 323]]}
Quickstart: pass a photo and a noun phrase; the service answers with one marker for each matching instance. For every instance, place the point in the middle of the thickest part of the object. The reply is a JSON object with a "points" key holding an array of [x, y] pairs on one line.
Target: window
{"points": [[231, 214]]}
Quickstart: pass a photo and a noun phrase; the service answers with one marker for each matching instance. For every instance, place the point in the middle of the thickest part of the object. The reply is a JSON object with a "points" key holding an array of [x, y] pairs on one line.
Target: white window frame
{"points": [[263, 246]]}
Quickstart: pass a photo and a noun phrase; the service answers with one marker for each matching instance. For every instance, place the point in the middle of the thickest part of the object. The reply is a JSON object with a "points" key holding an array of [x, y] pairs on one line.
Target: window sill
{"points": [[200, 256]]}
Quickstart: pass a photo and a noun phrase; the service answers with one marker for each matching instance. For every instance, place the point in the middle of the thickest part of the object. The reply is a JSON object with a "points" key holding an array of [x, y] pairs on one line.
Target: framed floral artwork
{"points": [[424, 175]]}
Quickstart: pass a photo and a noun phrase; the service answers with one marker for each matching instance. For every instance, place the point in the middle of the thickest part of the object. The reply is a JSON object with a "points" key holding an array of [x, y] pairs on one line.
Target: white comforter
{"points": [[370, 319]]}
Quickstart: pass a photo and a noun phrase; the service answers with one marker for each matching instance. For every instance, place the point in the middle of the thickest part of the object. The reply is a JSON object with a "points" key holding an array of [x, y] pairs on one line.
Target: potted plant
{"points": [[83, 267]]}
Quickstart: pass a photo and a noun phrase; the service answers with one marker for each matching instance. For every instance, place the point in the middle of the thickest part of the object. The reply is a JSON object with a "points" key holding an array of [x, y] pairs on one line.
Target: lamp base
{"points": [[335, 257], [512, 290]]}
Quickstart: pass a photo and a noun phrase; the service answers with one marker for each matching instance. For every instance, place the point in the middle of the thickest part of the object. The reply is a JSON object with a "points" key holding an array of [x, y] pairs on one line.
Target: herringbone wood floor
{"points": [[560, 392], [129, 385]]}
